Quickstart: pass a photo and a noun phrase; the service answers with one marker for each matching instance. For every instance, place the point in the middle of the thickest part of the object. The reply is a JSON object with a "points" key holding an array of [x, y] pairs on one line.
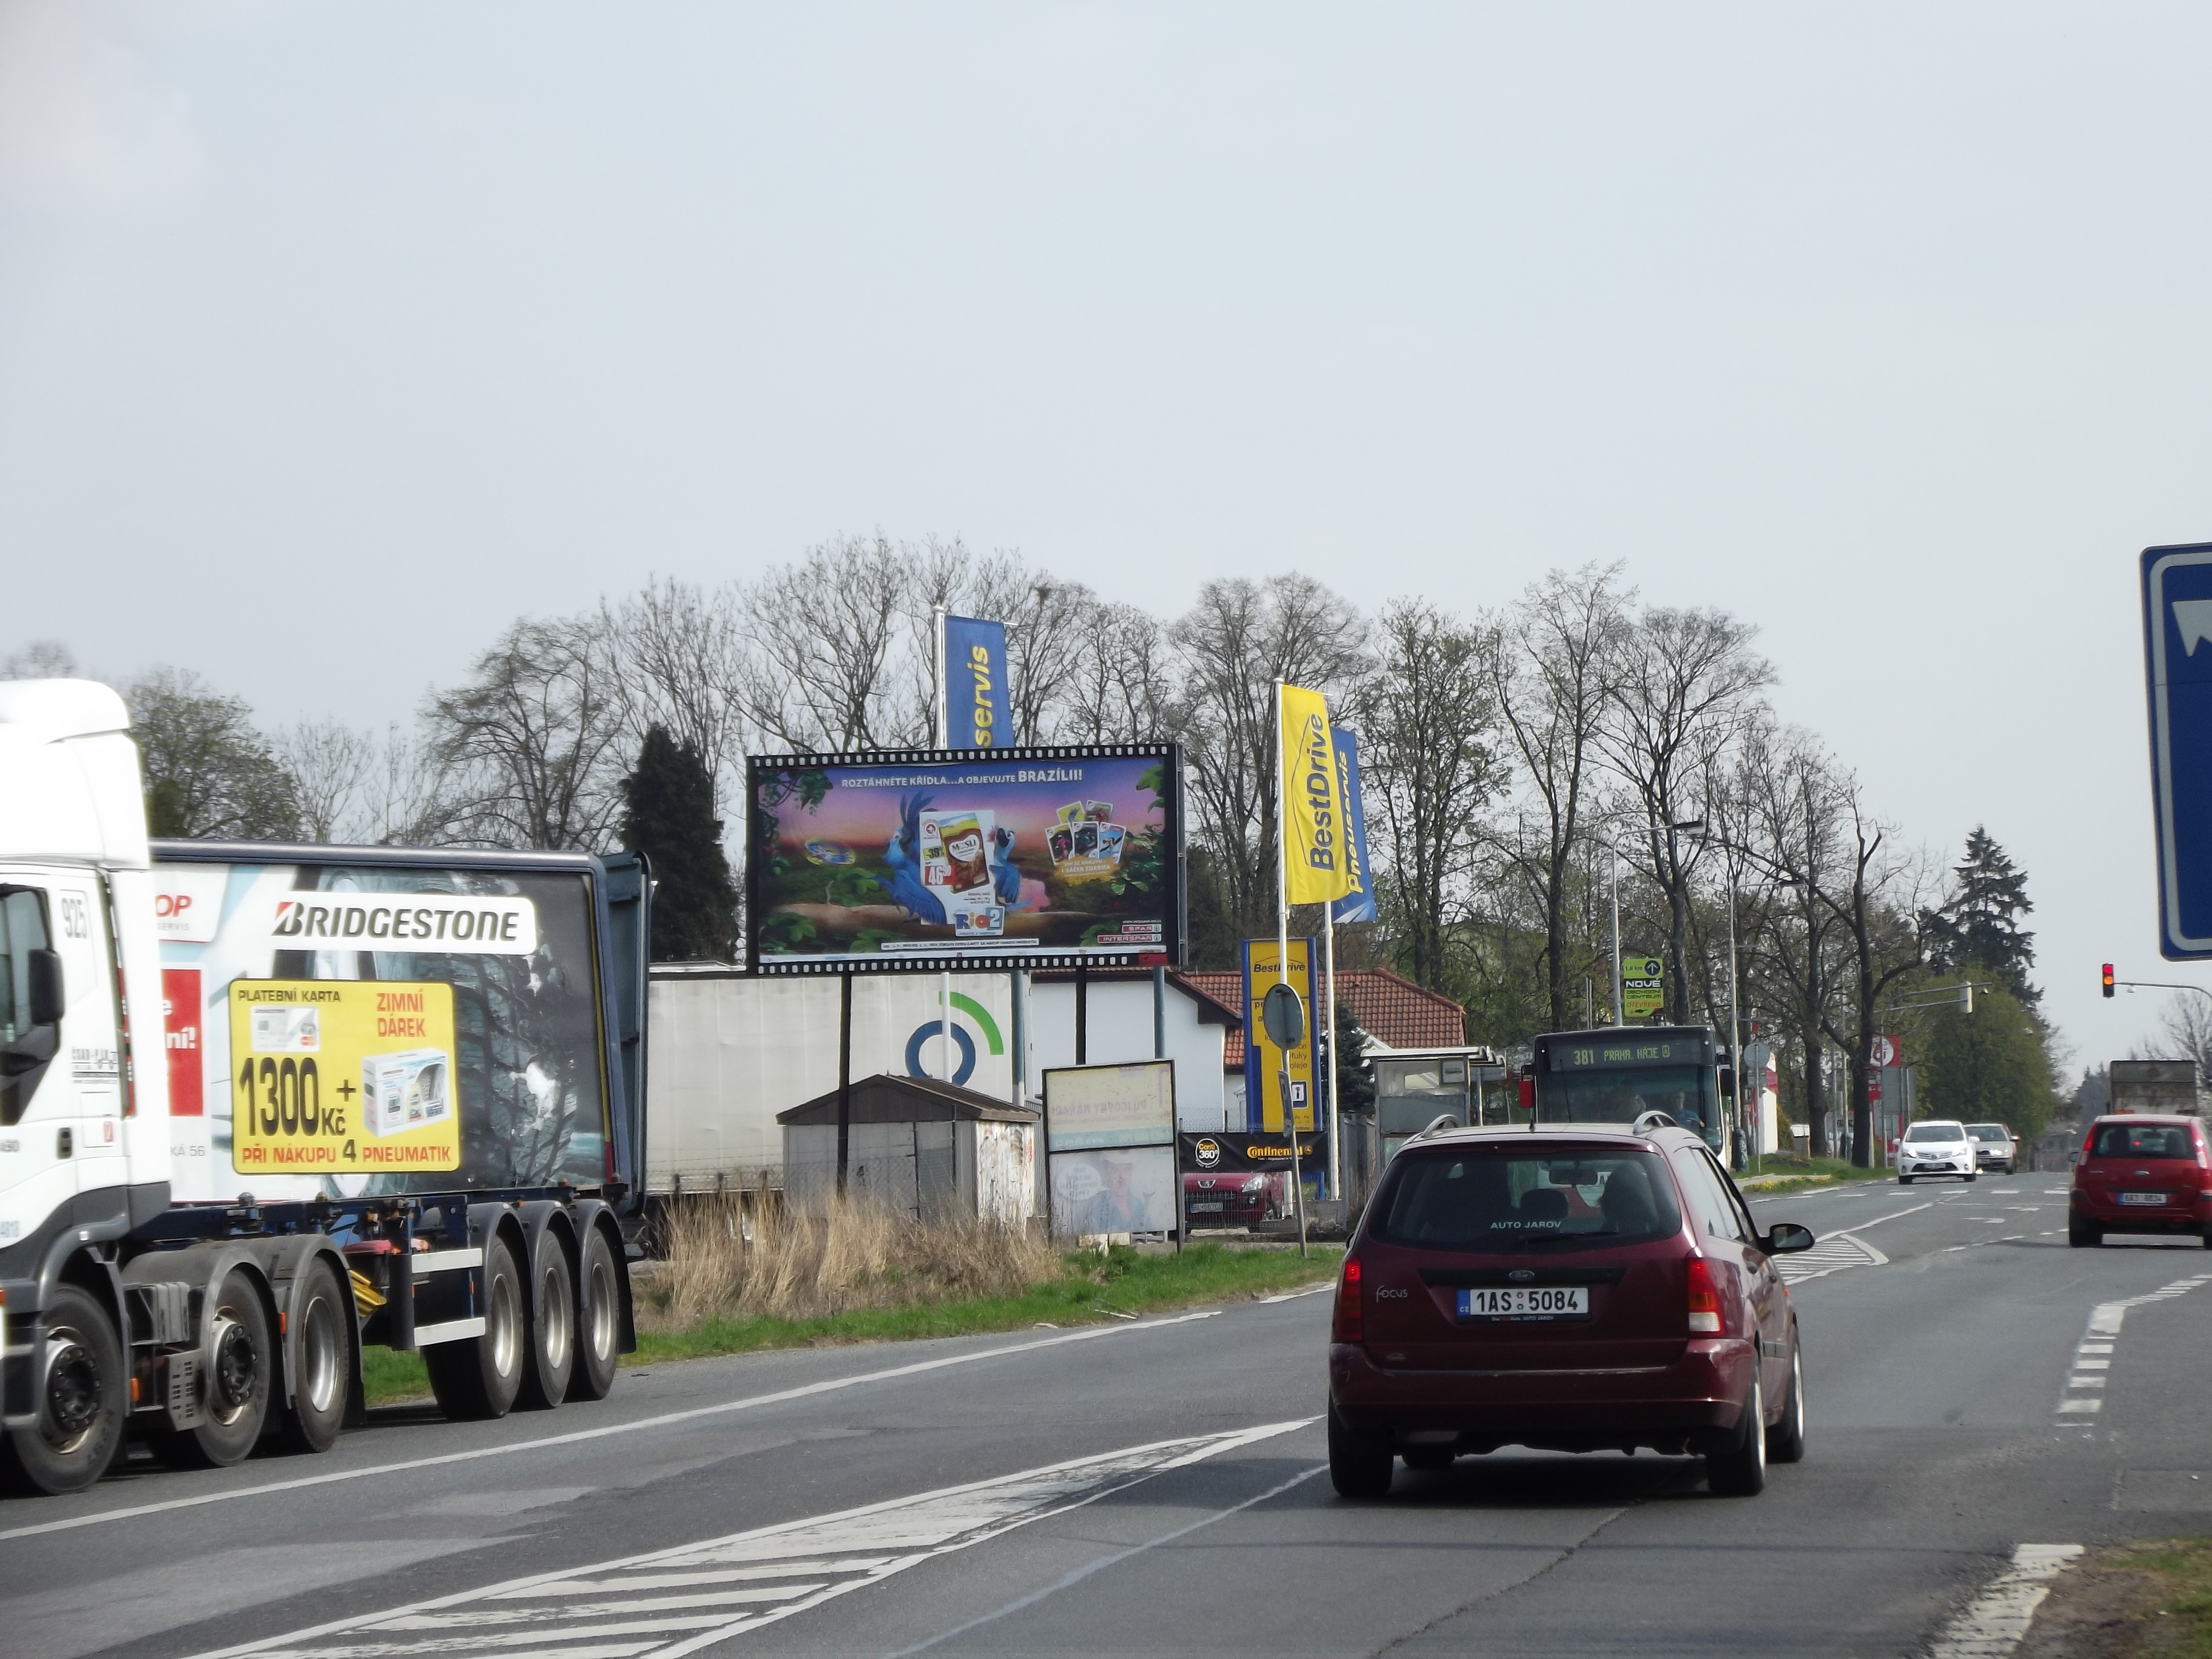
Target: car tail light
{"points": [[1704, 1298], [2203, 1154], [1348, 1325]]}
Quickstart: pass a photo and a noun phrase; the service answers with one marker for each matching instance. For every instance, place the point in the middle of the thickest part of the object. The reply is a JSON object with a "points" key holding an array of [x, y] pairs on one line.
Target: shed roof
{"points": [[884, 1098], [1391, 1009]]}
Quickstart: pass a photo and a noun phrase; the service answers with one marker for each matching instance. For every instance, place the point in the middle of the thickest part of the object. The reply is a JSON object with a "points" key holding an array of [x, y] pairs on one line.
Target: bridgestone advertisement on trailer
{"points": [[1031, 857]]}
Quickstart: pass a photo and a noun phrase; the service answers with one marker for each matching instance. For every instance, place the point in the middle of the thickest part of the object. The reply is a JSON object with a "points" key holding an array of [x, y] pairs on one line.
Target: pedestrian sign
{"points": [[2177, 594]]}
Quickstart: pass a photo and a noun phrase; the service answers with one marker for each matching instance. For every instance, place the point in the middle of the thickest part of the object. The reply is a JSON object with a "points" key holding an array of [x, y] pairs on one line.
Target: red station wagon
{"points": [[2140, 1174], [1577, 1287]]}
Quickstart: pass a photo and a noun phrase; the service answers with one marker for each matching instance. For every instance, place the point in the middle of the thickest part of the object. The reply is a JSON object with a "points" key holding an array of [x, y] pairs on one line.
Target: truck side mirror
{"points": [[48, 1001]]}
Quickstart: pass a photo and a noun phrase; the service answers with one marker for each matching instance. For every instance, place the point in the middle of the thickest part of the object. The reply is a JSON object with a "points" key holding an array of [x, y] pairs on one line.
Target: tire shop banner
{"points": [[1206, 1154]]}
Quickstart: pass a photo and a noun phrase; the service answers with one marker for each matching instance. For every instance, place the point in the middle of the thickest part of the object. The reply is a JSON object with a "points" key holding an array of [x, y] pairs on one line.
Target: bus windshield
{"points": [[1685, 1093]]}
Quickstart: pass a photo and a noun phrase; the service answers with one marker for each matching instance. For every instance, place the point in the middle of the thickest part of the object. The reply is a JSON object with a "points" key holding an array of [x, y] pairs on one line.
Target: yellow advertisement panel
{"points": [[1643, 989], [1264, 1063], [338, 1076], [1315, 845]]}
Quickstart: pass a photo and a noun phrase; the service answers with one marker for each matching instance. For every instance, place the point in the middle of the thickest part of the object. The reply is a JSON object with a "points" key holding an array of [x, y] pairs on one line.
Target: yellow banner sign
{"points": [[1643, 987], [1265, 1063], [339, 1077], [1314, 839]]}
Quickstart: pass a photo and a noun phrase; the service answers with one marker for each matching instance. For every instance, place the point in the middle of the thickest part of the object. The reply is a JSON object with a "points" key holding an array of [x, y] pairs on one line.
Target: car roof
{"points": [[1505, 1134], [2144, 1117]]}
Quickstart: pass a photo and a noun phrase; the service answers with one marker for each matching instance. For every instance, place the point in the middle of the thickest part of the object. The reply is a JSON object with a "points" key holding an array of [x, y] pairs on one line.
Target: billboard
{"points": [[1031, 857], [346, 1028], [1265, 1063], [1109, 1142]]}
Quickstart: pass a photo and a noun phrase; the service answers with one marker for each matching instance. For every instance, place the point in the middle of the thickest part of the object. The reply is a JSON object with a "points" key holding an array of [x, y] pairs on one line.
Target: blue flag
{"points": [[979, 710], [1358, 905]]}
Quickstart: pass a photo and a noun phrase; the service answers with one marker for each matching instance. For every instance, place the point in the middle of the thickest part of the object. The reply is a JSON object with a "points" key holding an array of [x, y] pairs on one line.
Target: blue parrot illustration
{"points": [[1005, 875], [904, 882]]}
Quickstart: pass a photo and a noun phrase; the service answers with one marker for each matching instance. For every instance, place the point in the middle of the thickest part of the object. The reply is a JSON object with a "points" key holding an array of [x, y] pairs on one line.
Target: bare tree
{"points": [[1687, 680], [1121, 686], [1785, 787], [678, 654], [41, 660], [821, 639], [533, 739], [1426, 716], [329, 764], [1551, 665], [1231, 646]]}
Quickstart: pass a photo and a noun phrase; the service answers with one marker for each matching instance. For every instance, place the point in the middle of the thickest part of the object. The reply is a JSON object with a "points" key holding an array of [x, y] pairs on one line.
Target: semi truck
{"points": [[263, 1106]]}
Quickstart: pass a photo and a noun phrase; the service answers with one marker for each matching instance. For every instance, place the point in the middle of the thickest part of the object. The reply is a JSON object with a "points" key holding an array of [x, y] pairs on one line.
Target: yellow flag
{"points": [[1314, 843]]}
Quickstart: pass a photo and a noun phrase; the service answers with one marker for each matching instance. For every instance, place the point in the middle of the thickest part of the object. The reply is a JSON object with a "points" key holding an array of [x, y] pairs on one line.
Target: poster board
{"points": [[1032, 857], [1263, 1061], [1110, 1134]]}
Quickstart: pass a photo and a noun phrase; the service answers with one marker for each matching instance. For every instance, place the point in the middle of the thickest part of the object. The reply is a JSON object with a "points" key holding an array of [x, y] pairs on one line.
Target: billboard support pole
{"points": [[1082, 1011], [944, 735], [844, 1077], [1328, 999]]}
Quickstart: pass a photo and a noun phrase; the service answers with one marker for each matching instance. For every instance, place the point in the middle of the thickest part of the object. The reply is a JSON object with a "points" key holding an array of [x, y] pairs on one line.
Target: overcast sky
{"points": [[333, 337]]}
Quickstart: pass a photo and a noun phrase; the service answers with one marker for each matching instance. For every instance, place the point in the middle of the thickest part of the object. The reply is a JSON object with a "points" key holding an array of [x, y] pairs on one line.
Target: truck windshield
{"points": [[1685, 1093]]}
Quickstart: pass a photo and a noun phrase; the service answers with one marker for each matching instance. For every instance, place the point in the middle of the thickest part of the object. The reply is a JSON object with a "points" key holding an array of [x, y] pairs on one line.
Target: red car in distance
{"points": [[2140, 1174], [1581, 1287], [1231, 1198]]}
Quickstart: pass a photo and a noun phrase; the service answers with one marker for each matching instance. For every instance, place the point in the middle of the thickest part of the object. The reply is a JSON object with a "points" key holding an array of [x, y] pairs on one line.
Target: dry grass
{"points": [[743, 1254]]}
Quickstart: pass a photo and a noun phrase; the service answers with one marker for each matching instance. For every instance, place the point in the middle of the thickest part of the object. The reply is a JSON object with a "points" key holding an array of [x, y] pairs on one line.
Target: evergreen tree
{"points": [[1980, 926], [1355, 1072], [668, 815]]}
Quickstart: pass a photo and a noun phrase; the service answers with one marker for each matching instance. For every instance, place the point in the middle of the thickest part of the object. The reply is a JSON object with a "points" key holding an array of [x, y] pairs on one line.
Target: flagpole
{"points": [[1283, 956], [944, 735], [1329, 979]]}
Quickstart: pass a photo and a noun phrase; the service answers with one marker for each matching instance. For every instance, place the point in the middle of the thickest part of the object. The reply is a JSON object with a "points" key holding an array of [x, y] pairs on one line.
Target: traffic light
{"points": [[2108, 979]]}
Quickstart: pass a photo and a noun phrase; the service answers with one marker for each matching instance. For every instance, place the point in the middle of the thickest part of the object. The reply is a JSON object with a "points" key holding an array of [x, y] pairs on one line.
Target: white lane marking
{"points": [[1992, 1626], [1105, 1561], [749, 1403], [824, 1557], [1292, 1296], [1892, 1216], [2105, 1322], [2066, 1406], [1831, 1255]]}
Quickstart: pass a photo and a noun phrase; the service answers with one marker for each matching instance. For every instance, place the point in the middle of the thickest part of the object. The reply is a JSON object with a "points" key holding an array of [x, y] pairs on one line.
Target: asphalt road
{"points": [[1159, 1488]]}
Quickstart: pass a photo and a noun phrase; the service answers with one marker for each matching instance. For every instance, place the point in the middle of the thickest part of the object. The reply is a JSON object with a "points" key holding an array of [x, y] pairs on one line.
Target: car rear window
{"points": [[2142, 1141], [1508, 1199], [1935, 1132]]}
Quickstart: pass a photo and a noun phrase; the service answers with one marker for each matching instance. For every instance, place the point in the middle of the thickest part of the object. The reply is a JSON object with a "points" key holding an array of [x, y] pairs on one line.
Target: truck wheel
{"points": [[79, 1398], [552, 1329], [479, 1376], [236, 1358], [599, 1321], [1359, 1459], [322, 1357]]}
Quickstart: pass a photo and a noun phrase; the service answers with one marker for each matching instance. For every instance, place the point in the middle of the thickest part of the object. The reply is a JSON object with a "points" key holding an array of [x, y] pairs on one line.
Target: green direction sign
{"points": [[1642, 993]]}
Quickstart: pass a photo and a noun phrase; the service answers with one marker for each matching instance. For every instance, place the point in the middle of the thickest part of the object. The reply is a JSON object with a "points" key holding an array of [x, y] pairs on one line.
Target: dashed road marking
{"points": [[1831, 1255], [675, 1601], [1992, 1626], [2092, 1354]]}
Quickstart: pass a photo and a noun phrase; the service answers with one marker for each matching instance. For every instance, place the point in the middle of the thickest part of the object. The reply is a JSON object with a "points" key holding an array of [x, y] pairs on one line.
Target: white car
{"points": [[1937, 1147]]}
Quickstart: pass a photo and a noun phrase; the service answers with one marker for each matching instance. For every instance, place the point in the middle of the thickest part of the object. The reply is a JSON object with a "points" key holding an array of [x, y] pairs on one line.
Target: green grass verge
{"points": [[2125, 1601], [1796, 1174], [1089, 1292]]}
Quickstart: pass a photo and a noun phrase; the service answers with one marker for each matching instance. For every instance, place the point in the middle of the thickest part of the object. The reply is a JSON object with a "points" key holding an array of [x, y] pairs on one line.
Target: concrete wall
{"points": [[1121, 1030]]}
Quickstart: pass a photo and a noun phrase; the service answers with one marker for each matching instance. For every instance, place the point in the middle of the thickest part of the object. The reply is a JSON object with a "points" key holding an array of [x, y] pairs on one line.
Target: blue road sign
{"points": [[2177, 584]]}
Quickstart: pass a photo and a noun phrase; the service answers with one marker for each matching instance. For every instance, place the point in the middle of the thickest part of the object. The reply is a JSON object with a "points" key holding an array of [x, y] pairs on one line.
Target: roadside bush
{"points": [[742, 1253]]}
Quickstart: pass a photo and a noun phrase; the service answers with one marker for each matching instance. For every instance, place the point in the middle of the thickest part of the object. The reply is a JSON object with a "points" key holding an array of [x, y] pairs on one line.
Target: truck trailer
{"points": [[263, 1105]]}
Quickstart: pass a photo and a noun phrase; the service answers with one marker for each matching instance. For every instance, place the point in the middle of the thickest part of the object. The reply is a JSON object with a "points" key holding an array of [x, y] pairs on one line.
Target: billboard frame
{"points": [[955, 957]]}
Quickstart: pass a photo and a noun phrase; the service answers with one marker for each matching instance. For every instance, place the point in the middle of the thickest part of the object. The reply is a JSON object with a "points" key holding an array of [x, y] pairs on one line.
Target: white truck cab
{"points": [[200, 1319]]}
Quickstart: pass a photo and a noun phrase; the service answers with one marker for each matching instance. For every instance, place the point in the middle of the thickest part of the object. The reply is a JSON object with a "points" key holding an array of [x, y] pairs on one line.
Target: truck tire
{"points": [[479, 1376], [552, 1354], [598, 1320], [81, 1402], [238, 1364], [322, 1361]]}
